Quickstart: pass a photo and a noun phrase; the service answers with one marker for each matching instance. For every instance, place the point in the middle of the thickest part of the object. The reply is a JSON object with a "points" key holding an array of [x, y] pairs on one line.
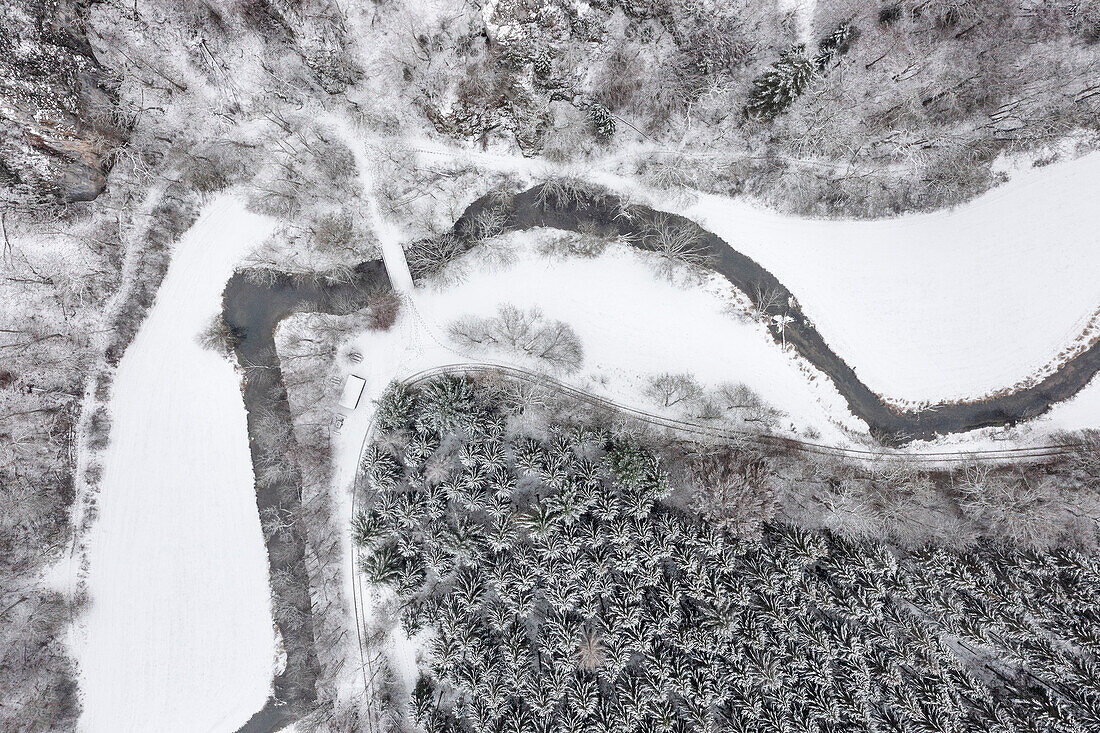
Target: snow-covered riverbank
{"points": [[955, 304], [179, 634]]}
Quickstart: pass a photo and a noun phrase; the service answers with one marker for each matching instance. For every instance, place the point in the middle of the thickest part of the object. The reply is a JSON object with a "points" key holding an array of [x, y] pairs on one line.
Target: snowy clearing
{"points": [[633, 324], [951, 305], [179, 635], [926, 308]]}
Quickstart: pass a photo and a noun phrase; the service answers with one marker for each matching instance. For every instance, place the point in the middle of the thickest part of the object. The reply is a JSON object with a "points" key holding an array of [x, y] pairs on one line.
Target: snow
{"points": [[954, 304], [803, 12], [633, 323], [179, 633], [353, 389]]}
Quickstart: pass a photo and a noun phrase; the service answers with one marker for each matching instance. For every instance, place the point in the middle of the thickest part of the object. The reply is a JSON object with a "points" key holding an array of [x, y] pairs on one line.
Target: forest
{"points": [[555, 578]]}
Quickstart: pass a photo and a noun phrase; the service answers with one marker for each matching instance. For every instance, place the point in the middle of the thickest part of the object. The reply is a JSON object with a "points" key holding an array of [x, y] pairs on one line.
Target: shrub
{"points": [[890, 13], [671, 389], [586, 244], [732, 490], [382, 309], [526, 332], [713, 45], [562, 192], [677, 242], [429, 256]]}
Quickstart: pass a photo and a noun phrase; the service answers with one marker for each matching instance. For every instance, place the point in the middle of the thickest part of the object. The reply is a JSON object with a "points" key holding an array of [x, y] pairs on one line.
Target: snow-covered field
{"points": [[954, 304], [179, 634], [633, 323]]}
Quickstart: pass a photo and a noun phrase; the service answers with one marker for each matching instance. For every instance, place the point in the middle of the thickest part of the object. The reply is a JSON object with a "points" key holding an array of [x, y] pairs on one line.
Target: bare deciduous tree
{"points": [[766, 300], [677, 243], [732, 489], [526, 332], [671, 389]]}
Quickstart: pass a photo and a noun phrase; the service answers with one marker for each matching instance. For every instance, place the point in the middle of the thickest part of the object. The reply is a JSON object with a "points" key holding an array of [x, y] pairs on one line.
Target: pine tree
{"points": [[603, 122], [396, 408], [835, 44], [778, 87]]}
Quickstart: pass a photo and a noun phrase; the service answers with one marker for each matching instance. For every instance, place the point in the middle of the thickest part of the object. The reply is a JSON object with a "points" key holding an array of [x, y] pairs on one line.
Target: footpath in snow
{"points": [[179, 635]]}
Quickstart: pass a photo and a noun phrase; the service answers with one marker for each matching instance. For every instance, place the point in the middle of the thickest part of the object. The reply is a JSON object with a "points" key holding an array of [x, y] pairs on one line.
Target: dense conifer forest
{"points": [[555, 583]]}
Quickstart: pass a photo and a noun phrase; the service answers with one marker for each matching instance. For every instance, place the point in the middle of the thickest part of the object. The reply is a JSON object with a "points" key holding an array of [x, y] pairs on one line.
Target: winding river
{"points": [[581, 211], [254, 303]]}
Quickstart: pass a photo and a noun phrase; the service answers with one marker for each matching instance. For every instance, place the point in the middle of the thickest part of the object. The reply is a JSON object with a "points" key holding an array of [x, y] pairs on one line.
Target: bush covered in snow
{"points": [[523, 332]]}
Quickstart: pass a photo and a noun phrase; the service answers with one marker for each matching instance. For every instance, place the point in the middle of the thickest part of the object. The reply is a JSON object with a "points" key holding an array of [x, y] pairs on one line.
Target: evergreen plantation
{"points": [[556, 588]]}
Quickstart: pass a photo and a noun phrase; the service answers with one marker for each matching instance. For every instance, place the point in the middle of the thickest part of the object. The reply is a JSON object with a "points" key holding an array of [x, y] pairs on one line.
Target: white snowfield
{"points": [[179, 634], [633, 323], [954, 304]]}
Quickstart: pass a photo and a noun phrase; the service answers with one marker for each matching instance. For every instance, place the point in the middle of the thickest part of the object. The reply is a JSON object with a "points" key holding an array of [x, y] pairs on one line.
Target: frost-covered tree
{"points": [[778, 87]]}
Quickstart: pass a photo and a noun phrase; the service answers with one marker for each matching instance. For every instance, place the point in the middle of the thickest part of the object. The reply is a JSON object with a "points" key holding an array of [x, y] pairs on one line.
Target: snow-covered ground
{"points": [[954, 304], [803, 11], [1081, 412], [633, 323], [179, 634]]}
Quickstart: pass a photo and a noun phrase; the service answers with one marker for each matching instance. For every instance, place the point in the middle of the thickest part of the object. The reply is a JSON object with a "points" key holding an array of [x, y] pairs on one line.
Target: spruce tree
{"points": [[778, 87], [603, 122]]}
